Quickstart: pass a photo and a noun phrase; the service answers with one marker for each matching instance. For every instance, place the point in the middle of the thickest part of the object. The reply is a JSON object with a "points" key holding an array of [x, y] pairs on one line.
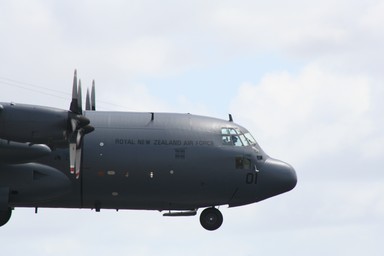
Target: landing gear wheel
{"points": [[5, 215], [211, 219]]}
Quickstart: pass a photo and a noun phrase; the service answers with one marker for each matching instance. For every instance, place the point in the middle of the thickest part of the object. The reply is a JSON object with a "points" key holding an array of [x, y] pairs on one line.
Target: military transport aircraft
{"points": [[176, 163]]}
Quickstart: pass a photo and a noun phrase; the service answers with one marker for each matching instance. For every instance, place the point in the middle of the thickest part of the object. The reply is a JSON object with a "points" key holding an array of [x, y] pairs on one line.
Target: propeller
{"points": [[78, 127], [90, 103]]}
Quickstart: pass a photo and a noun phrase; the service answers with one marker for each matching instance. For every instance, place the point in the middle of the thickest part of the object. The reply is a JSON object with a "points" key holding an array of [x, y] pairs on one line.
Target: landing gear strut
{"points": [[5, 215], [211, 219]]}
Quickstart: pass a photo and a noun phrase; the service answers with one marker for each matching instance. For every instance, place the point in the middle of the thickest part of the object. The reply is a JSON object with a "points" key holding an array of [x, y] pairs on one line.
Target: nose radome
{"points": [[284, 174]]}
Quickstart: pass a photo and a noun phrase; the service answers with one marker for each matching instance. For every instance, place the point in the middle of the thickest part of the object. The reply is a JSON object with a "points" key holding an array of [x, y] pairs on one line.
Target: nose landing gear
{"points": [[211, 219]]}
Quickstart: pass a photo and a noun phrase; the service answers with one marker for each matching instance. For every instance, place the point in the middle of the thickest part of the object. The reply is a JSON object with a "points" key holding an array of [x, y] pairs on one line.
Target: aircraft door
{"points": [[247, 177]]}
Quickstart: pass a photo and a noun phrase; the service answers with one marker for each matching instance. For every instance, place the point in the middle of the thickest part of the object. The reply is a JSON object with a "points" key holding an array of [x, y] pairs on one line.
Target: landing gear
{"points": [[5, 215], [211, 219]]}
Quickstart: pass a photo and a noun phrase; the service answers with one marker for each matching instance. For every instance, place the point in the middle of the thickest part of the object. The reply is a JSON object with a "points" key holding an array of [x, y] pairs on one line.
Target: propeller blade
{"points": [[72, 157], [74, 123], [93, 96], [88, 101], [79, 100], [79, 137], [74, 103], [78, 162]]}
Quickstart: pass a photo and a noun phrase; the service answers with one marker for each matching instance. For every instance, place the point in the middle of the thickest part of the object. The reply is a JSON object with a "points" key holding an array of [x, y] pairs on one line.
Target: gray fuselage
{"points": [[130, 160]]}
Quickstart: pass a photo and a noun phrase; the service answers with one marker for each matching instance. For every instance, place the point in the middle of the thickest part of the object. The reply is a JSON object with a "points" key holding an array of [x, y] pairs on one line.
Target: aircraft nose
{"points": [[284, 176]]}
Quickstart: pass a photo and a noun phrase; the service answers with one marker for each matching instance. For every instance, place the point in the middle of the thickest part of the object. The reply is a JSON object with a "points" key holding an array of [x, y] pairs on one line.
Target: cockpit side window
{"points": [[226, 137], [236, 140]]}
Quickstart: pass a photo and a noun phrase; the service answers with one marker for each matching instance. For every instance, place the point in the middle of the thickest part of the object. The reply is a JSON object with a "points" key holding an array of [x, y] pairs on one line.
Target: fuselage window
{"points": [[243, 163]]}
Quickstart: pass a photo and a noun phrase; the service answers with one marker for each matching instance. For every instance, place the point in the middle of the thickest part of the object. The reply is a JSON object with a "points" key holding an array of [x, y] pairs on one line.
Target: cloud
{"points": [[331, 31], [266, 26], [311, 113], [132, 97]]}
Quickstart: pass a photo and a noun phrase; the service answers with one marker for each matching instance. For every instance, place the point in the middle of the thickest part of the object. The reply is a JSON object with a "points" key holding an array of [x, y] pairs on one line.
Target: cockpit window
{"points": [[250, 138], [234, 137], [244, 140]]}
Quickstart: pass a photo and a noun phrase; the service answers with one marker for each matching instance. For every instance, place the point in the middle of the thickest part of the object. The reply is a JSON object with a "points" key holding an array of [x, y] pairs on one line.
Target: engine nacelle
{"points": [[16, 153], [31, 183], [34, 124]]}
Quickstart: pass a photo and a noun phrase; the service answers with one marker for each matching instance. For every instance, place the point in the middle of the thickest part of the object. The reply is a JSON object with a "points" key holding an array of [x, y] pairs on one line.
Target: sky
{"points": [[305, 77]]}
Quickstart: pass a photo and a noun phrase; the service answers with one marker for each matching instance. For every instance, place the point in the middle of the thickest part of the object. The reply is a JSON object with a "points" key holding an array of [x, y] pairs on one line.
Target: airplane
{"points": [[171, 162]]}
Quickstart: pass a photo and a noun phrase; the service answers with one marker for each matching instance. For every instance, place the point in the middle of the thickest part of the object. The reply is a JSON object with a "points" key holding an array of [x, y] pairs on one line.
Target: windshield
{"points": [[250, 138], [235, 137]]}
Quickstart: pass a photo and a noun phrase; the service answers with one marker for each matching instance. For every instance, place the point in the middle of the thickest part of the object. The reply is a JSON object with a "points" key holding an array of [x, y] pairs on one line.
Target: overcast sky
{"points": [[305, 77]]}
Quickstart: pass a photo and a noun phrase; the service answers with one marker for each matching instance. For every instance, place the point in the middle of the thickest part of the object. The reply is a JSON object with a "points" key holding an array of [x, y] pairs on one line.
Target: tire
{"points": [[211, 219]]}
